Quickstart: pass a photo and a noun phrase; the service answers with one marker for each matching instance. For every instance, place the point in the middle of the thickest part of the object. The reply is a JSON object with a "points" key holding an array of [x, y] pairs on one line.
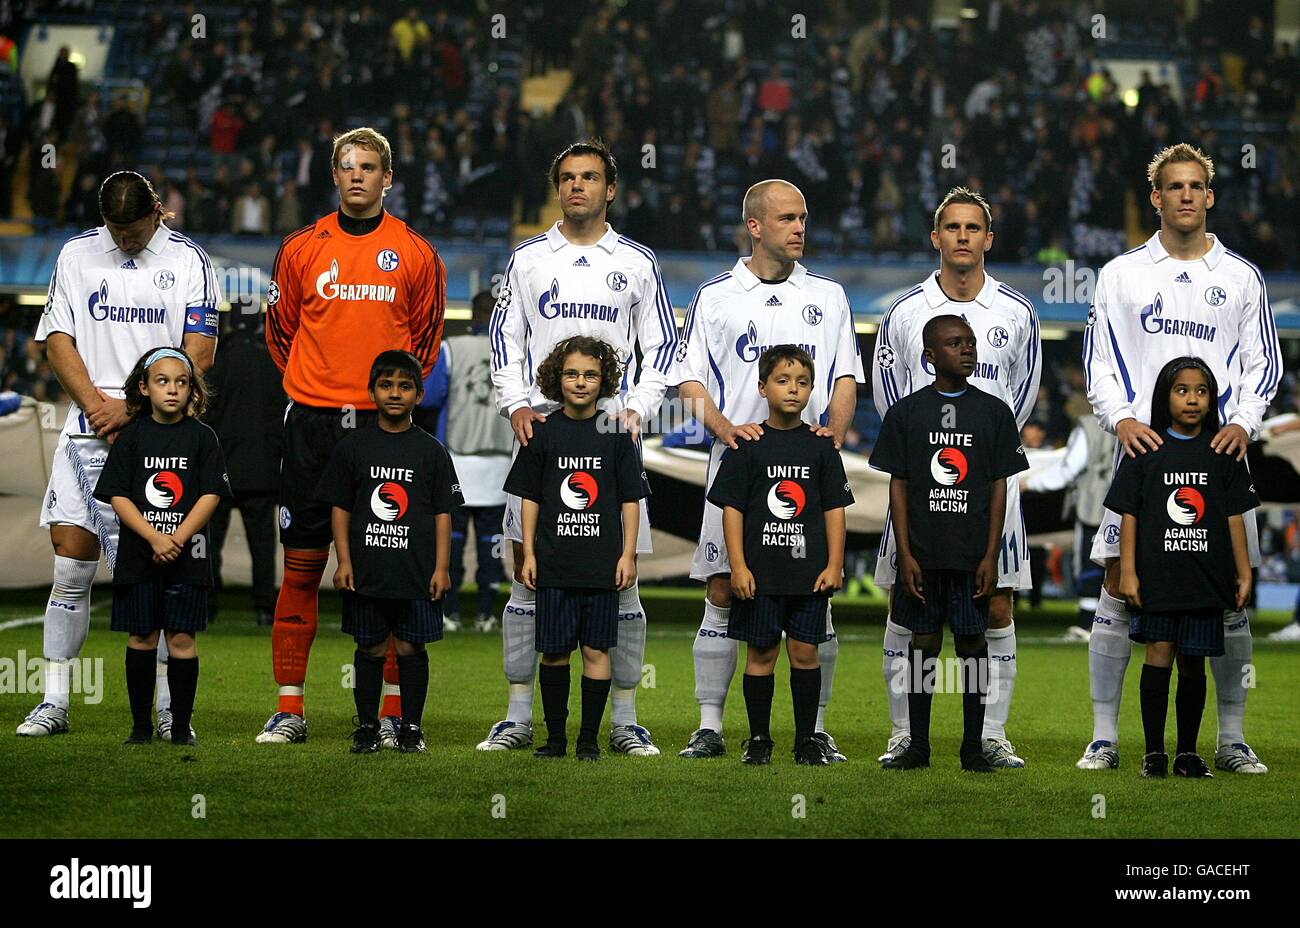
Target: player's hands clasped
{"points": [[829, 579], [528, 571], [742, 583], [1130, 591], [1137, 438], [986, 577], [1231, 439], [343, 578], [439, 584], [521, 420], [909, 571], [108, 416], [625, 572], [750, 431]]}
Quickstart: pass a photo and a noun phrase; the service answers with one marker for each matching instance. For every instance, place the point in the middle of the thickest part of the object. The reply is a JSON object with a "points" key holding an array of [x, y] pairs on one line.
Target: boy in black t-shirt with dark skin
{"points": [[783, 499], [1183, 555], [392, 487], [579, 481], [950, 448]]}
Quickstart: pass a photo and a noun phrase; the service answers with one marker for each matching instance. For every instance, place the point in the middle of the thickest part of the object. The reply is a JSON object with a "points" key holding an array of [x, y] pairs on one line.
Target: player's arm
{"points": [[909, 571], [733, 532], [843, 401], [657, 337], [440, 583], [202, 349], [202, 299], [1240, 558], [1129, 589], [509, 333], [528, 510], [427, 308], [700, 406], [625, 572], [831, 578], [1065, 471], [1260, 356], [986, 574], [888, 362], [843, 404], [284, 299], [1107, 382], [1027, 371], [340, 523], [104, 414]]}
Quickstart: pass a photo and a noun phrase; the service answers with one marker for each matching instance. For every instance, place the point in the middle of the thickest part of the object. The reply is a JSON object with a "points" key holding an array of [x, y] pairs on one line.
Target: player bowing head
{"points": [[131, 209]]}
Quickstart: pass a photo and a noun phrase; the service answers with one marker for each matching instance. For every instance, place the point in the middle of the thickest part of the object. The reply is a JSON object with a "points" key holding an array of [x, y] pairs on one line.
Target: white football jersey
{"points": [[1008, 344], [1150, 308], [118, 306], [611, 290], [735, 317]]}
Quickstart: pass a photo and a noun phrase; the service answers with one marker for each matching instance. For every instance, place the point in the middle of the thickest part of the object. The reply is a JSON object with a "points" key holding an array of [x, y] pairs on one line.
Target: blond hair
{"points": [[367, 138], [1174, 154], [965, 195]]}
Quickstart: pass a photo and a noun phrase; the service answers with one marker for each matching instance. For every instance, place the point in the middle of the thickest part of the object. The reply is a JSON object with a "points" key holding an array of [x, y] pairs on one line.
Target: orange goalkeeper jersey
{"points": [[337, 300]]}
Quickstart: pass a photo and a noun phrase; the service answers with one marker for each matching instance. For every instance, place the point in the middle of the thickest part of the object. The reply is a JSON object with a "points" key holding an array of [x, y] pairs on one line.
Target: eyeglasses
{"points": [[588, 376]]}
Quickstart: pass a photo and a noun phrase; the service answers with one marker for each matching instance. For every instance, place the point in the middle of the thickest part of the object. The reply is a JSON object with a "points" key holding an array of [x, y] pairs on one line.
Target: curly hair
{"points": [[137, 401], [611, 366]]}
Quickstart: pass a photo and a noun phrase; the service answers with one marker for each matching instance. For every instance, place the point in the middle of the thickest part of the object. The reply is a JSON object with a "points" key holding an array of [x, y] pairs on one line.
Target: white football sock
{"points": [[715, 664], [1230, 676], [1002, 680], [894, 667], [163, 699], [627, 659], [67, 621], [519, 655], [828, 653], [1109, 649]]}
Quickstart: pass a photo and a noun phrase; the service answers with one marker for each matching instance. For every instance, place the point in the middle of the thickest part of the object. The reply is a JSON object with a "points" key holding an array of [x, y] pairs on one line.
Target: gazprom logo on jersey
{"points": [[329, 288], [100, 310], [550, 307], [748, 348], [1153, 321]]}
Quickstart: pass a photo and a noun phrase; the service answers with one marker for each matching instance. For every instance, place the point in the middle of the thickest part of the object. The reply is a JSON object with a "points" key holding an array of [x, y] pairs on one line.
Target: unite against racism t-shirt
{"points": [[784, 482], [1182, 495], [392, 484], [949, 449], [164, 470], [580, 477]]}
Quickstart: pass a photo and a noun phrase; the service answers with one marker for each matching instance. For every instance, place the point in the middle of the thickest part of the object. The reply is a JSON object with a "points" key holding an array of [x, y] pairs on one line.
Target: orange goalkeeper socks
{"points": [[296, 615]]}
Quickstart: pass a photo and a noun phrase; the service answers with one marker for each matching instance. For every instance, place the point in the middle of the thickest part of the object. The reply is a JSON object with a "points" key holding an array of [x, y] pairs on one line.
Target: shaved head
{"points": [[756, 197]]}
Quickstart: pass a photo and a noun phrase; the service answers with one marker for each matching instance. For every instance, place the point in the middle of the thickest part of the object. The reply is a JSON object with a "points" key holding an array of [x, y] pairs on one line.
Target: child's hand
{"points": [[1130, 593], [742, 583], [986, 577], [909, 571], [829, 579], [439, 584], [528, 571], [343, 579], [625, 573], [1243, 591], [165, 548]]}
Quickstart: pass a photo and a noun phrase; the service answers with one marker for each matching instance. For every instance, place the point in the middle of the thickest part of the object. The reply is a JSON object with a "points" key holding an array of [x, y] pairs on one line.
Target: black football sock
{"points": [[367, 686], [805, 691], [758, 703], [1154, 689], [1189, 706], [413, 677], [554, 684], [975, 678], [140, 677], [920, 693], [595, 693], [183, 681]]}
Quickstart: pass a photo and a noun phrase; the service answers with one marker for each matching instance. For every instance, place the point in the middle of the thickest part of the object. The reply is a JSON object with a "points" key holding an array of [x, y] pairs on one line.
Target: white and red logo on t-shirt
{"points": [[786, 499], [389, 501], [948, 467], [578, 490], [164, 489], [1185, 506]]}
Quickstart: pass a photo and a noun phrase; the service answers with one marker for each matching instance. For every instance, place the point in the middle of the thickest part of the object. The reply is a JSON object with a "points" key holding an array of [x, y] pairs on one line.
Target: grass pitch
{"points": [[86, 784]]}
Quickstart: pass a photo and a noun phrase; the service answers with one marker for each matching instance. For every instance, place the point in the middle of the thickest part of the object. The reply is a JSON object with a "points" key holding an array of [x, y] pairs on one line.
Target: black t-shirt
{"points": [[949, 449], [164, 470], [580, 477], [783, 483], [392, 484], [1182, 495]]}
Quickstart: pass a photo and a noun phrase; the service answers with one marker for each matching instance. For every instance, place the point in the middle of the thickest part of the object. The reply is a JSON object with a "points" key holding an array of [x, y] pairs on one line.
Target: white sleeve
{"points": [[691, 359], [509, 333], [58, 315], [657, 336], [1065, 470], [888, 362], [848, 357], [203, 292], [1026, 371], [1102, 364], [1260, 357]]}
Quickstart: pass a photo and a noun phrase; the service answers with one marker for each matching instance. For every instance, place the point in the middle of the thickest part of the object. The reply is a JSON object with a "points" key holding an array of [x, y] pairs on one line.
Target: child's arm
{"points": [[165, 547], [909, 571], [625, 573], [1129, 589], [528, 511], [440, 583], [831, 578], [1240, 557], [197, 518], [986, 574], [340, 523], [733, 531]]}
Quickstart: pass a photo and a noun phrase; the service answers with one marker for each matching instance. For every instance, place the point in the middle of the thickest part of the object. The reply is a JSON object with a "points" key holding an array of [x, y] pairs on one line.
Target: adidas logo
{"points": [[582, 262], [130, 265], [1183, 278], [324, 233], [772, 301]]}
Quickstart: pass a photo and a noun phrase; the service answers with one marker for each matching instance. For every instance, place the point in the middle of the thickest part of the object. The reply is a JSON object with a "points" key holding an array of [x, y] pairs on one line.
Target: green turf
{"points": [[87, 784]]}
